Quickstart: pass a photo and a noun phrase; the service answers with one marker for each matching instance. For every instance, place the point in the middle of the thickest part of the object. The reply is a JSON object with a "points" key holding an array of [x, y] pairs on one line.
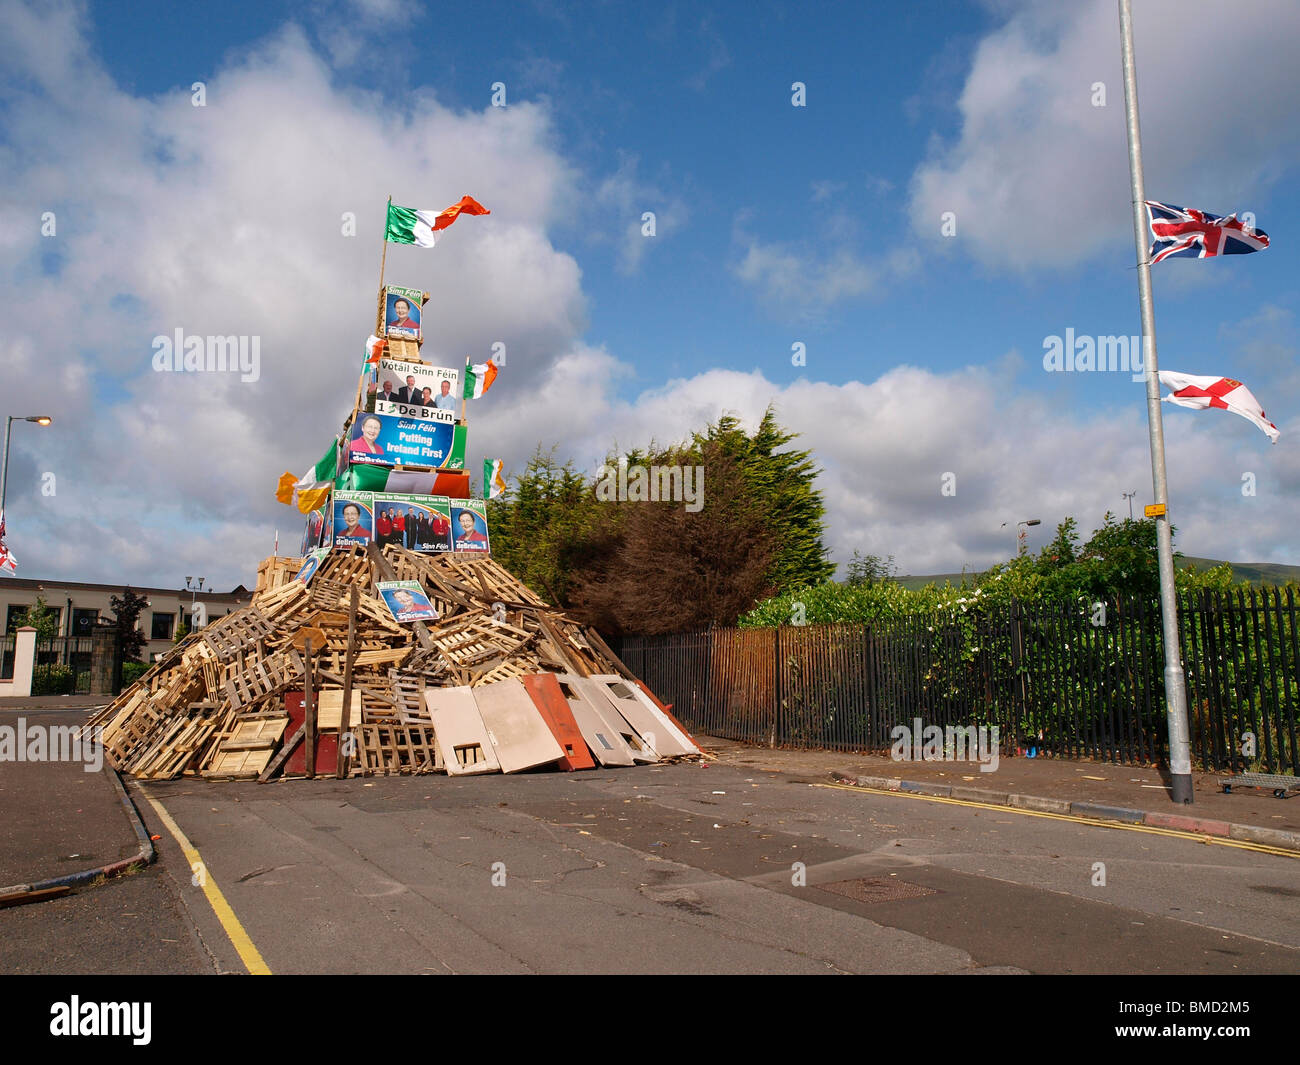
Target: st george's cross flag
{"points": [[8, 564], [1200, 393], [1184, 232], [406, 225]]}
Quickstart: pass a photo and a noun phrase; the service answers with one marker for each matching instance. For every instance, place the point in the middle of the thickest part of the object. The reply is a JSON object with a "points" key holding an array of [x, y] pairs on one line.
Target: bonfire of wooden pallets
{"points": [[220, 704]]}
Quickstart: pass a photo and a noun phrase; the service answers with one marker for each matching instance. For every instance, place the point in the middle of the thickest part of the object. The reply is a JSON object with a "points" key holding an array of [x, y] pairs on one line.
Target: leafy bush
{"points": [[52, 680], [132, 671]]}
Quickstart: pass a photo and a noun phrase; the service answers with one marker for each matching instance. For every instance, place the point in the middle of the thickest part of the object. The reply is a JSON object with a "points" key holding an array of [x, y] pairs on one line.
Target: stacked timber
{"points": [[241, 697]]}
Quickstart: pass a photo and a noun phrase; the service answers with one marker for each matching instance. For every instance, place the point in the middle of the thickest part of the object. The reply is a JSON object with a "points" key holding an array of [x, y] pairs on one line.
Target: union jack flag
{"points": [[1184, 232], [8, 564]]}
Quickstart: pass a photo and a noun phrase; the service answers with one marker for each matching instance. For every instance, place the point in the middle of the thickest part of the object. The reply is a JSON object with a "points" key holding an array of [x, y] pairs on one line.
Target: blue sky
{"points": [[775, 225]]}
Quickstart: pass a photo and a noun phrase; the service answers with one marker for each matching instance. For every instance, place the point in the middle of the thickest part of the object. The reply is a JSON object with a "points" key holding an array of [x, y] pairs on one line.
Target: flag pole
{"points": [[462, 395], [1180, 760], [383, 258]]}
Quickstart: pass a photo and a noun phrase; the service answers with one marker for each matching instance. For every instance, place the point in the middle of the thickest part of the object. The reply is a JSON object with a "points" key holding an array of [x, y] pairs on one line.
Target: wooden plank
{"points": [[341, 770], [273, 766], [309, 710]]}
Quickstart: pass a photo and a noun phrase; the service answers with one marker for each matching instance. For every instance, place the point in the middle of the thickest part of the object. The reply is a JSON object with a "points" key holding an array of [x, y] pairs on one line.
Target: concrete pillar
{"points": [[24, 661]]}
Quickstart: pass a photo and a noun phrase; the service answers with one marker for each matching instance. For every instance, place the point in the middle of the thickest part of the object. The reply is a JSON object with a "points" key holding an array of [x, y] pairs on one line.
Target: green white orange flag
{"points": [[494, 484], [406, 225], [479, 378], [311, 489]]}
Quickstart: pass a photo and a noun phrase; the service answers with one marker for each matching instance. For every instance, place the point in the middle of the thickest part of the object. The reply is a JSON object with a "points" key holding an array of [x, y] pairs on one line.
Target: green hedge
{"points": [[53, 680]]}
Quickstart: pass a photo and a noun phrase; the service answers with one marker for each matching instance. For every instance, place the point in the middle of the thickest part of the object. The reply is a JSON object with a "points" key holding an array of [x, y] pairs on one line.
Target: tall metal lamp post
{"points": [[39, 419], [194, 590], [1021, 534]]}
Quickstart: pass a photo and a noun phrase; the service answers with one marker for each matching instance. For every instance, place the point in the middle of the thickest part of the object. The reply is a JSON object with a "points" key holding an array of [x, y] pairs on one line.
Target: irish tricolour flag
{"points": [[406, 225], [494, 484], [479, 378], [311, 489]]}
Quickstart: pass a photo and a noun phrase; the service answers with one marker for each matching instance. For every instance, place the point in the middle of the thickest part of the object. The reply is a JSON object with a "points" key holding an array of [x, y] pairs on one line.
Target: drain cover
{"points": [[877, 889]]}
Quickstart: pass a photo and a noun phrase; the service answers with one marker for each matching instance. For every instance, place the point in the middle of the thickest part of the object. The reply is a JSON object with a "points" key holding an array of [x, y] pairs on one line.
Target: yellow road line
{"points": [[1218, 841], [239, 939]]}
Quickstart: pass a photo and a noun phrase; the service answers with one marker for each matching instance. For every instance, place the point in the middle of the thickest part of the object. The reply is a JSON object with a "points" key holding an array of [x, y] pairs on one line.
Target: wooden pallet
{"points": [[249, 679], [385, 750], [408, 691]]}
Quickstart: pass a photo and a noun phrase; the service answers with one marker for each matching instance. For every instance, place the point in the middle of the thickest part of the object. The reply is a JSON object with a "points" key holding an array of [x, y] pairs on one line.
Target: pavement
{"points": [[68, 827], [68, 822]]}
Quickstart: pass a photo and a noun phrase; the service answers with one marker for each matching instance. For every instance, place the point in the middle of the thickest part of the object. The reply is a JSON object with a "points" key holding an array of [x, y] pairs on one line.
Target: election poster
{"points": [[414, 389], [390, 440], [417, 523], [469, 527], [354, 519], [320, 528], [311, 564], [407, 601], [402, 309]]}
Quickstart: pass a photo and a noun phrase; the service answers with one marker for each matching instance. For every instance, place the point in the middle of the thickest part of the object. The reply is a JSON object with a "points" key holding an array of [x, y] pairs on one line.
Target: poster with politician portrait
{"points": [[414, 522], [415, 389], [407, 601], [434, 440], [354, 519], [320, 526], [402, 309], [469, 529], [311, 564]]}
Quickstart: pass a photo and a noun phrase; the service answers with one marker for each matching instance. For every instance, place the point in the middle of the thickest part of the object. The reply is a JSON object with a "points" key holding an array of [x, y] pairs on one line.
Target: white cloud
{"points": [[885, 446], [1039, 176], [806, 282], [227, 219], [626, 197]]}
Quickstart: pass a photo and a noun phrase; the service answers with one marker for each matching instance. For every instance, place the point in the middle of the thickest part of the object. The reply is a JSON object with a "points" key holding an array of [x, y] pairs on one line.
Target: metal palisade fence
{"points": [[1064, 679]]}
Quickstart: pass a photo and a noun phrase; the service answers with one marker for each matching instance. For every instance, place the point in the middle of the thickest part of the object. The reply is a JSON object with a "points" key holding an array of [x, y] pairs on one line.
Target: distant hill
{"points": [[1256, 573]]}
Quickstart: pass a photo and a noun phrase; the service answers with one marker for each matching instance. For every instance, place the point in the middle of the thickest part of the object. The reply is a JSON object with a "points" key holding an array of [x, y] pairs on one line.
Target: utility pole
{"points": [[1180, 757]]}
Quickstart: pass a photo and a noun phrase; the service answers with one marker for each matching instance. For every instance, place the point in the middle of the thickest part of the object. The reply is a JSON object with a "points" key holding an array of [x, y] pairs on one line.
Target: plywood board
{"points": [[520, 734], [463, 742], [545, 692], [667, 710], [601, 725], [242, 764], [660, 734], [329, 710]]}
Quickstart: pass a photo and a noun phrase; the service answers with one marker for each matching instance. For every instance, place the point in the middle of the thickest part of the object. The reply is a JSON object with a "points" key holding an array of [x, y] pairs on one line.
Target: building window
{"points": [[83, 621], [162, 626], [16, 610]]}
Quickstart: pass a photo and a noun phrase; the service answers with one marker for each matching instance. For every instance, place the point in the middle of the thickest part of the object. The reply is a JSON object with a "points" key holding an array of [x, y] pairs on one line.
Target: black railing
{"points": [[1070, 680], [63, 665]]}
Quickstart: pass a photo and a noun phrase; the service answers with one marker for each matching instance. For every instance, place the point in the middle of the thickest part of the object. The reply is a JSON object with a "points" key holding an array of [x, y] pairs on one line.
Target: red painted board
{"points": [[327, 743], [667, 712], [545, 692]]}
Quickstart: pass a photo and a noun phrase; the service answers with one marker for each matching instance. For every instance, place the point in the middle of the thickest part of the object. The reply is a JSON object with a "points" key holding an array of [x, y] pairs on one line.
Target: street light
{"points": [[194, 590], [1021, 535], [39, 419], [1129, 496]]}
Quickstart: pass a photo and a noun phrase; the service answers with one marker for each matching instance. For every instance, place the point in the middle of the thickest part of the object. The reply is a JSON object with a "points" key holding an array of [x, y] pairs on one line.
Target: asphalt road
{"points": [[661, 869]]}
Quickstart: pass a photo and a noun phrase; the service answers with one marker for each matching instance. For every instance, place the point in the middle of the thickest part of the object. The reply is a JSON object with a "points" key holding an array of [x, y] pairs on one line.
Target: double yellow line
{"points": [[239, 939], [1178, 833]]}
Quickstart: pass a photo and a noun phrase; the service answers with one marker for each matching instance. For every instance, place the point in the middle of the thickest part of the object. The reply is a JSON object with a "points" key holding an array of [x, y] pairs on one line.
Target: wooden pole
{"points": [[309, 710], [383, 258], [345, 721]]}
